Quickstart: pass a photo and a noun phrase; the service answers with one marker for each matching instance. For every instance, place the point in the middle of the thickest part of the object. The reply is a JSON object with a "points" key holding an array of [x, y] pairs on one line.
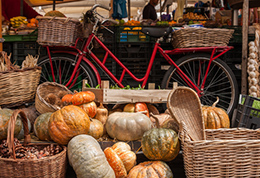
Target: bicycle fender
{"points": [[86, 60]]}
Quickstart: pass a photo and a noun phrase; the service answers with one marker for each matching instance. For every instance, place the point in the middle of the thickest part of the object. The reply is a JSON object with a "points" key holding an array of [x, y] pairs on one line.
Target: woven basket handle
{"points": [[11, 127]]}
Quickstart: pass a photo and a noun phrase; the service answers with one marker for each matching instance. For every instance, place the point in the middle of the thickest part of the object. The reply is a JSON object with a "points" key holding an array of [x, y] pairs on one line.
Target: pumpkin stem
{"points": [[156, 120], [138, 149], [101, 105], [75, 91], [216, 102]]}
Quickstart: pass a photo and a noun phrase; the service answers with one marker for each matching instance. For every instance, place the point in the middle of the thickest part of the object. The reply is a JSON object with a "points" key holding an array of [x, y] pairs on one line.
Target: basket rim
{"points": [[57, 18], [21, 70], [49, 83]]}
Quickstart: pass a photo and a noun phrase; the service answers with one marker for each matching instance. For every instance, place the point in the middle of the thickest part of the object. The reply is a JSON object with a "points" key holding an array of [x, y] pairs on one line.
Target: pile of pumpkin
{"points": [[80, 123]]}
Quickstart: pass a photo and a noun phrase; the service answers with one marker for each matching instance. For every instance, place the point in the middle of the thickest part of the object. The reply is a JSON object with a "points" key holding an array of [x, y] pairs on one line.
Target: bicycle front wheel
{"points": [[220, 81], [63, 66]]}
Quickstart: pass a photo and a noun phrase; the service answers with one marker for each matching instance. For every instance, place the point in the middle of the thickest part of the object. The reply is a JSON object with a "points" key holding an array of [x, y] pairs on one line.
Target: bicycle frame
{"points": [[165, 53]]}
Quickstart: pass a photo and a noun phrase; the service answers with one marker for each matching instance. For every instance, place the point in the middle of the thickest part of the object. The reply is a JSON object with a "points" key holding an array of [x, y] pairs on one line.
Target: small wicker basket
{"points": [[58, 31], [201, 37], [47, 167], [41, 105], [18, 86]]}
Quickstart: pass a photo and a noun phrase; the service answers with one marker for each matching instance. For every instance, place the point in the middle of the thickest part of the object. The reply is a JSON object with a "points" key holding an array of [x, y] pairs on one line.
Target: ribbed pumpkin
{"points": [[41, 126], [120, 158], [90, 108], [96, 128], [215, 117], [126, 126], [160, 144], [5, 115], [151, 169], [66, 99], [82, 97], [68, 122], [87, 158]]}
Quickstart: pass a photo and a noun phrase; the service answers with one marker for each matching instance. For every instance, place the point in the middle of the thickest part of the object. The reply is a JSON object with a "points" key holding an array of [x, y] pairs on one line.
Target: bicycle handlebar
{"points": [[110, 20]]}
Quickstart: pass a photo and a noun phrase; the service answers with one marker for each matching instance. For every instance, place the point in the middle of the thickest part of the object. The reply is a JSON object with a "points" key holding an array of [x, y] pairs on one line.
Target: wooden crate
{"points": [[115, 96]]}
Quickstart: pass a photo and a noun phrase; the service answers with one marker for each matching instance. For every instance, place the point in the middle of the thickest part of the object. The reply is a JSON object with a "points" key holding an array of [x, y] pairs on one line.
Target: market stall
{"points": [[109, 104]]}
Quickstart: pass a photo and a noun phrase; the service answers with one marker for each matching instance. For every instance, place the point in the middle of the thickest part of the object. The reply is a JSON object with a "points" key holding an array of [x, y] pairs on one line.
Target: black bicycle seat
{"points": [[157, 32]]}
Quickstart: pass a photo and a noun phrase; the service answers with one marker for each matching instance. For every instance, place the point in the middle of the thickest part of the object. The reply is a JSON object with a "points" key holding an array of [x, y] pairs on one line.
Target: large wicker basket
{"points": [[47, 167], [18, 86], [58, 31], [222, 153], [201, 37]]}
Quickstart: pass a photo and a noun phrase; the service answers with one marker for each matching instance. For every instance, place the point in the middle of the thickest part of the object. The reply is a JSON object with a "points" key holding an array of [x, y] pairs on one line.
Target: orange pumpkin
{"points": [[82, 97], [96, 128], [66, 99], [151, 169], [90, 108], [120, 158], [68, 122], [137, 107], [215, 117]]}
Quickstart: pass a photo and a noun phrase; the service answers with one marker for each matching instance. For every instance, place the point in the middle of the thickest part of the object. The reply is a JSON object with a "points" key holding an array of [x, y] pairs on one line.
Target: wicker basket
{"points": [[41, 105], [18, 86], [58, 31], [223, 152], [48, 167], [201, 37]]}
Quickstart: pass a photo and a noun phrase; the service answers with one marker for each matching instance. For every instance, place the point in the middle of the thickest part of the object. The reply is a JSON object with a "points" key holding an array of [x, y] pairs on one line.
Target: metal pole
{"points": [[21, 7], [129, 10]]}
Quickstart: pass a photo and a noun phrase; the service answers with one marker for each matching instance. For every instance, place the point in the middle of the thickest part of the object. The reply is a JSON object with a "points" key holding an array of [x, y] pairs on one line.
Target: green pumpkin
{"points": [[5, 115], [41, 126], [160, 144]]}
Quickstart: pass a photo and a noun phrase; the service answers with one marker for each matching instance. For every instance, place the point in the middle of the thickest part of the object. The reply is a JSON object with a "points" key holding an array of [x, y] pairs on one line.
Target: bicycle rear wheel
{"points": [[63, 66], [220, 80]]}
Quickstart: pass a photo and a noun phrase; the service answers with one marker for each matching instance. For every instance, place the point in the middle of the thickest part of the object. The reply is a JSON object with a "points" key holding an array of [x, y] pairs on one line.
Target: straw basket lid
{"points": [[184, 104]]}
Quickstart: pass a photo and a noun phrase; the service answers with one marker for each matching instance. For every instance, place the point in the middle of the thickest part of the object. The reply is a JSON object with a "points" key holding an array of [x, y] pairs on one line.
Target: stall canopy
{"points": [[35, 3]]}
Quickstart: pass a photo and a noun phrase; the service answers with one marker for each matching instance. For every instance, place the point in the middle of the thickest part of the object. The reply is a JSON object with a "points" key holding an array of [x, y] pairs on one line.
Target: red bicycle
{"points": [[200, 69]]}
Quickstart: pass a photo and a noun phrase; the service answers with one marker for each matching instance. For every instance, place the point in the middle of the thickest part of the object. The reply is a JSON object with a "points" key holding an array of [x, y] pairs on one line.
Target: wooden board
{"points": [[114, 96]]}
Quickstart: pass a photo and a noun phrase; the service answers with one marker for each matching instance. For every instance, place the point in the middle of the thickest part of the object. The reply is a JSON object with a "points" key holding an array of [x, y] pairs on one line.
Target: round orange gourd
{"points": [[68, 122], [215, 117], [96, 128], [151, 169], [137, 107], [82, 97], [90, 108], [66, 99]]}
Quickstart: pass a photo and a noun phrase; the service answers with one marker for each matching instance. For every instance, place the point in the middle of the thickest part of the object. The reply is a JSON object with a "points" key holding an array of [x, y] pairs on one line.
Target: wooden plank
{"points": [[244, 47]]}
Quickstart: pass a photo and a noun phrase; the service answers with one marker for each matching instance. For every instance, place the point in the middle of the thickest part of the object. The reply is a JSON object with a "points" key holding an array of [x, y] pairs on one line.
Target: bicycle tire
{"points": [[65, 63], [226, 89]]}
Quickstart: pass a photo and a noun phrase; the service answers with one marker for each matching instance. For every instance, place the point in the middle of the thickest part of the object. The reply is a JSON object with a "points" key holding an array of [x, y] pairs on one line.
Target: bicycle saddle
{"points": [[157, 32]]}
